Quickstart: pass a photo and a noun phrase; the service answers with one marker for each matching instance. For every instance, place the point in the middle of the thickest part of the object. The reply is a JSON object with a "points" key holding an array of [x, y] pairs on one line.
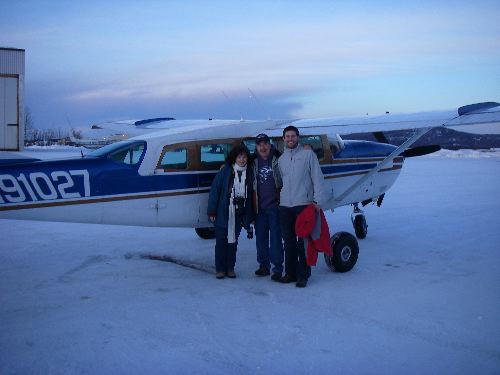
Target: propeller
{"points": [[380, 137], [420, 150], [411, 152]]}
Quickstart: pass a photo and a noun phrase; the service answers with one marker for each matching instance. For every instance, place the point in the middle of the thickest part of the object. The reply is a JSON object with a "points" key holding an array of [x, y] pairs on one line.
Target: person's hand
{"points": [[211, 218]]}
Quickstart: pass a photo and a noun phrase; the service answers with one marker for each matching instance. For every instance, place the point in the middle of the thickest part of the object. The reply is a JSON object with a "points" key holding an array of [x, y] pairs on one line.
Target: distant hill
{"points": [[447, 138]]}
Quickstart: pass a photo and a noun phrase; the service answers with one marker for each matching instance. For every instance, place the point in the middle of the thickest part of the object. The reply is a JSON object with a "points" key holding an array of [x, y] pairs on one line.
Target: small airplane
{"points": [[105, 133], [163, 178]]}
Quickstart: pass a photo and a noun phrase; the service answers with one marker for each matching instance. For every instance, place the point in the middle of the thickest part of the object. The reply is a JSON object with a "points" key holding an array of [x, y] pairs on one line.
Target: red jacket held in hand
{"points": [[312, 226]]}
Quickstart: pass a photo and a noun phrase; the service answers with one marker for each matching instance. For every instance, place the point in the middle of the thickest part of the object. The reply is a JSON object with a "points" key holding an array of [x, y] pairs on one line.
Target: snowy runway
{"points": [[424, 297]]}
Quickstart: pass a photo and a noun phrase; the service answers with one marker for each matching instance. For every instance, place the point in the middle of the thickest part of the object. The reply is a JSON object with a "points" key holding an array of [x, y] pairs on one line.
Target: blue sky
{"points": [[101, 60]]}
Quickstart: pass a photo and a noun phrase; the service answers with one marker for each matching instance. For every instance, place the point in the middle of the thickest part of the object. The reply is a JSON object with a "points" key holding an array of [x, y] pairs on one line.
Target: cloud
{"points": [[290, 57]]}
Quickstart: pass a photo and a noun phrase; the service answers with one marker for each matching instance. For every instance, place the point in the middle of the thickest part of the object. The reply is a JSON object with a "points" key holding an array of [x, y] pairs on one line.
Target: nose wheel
{"points": [[359, 222]]}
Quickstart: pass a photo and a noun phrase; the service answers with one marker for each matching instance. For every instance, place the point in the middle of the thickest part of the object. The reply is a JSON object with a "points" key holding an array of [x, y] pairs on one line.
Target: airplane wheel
{"points": [[345, 252], [360, 226], [206, 233]]}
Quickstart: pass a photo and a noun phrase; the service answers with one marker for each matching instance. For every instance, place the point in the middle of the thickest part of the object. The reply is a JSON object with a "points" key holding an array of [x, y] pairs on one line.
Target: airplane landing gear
{"points": [[206, 233], [345, 252], [359, 222]]}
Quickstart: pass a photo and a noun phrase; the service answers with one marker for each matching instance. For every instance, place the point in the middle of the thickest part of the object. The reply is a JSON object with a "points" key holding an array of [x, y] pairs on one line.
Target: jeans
{"points": [[295, 253], [225, 253], [268, 239]]}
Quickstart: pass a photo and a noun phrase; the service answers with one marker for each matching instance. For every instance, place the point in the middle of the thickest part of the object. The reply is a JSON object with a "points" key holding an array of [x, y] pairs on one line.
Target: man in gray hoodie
{"points": [[303, 184]]}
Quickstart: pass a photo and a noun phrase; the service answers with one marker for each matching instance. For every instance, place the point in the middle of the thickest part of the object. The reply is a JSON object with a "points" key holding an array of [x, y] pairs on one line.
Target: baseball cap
{"points": [[262, 138]]}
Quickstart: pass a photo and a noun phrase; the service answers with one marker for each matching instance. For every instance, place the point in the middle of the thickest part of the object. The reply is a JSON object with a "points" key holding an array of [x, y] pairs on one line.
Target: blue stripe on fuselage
{"points": [[61, 179], [333, 169]]}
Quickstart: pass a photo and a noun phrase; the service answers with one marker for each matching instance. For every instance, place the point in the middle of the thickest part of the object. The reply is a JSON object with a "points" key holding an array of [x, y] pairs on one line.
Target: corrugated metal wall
{"points": [[11, 61], [12, 67]]}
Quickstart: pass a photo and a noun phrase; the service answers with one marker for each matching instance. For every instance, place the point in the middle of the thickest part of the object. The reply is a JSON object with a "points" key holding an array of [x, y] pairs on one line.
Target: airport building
{"points": [[11, 99]]}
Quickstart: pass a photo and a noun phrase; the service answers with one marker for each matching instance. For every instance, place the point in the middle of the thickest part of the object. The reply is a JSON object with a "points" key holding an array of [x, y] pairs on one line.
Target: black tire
{"points": [[206, 233], [345, 252], [360, 226]]}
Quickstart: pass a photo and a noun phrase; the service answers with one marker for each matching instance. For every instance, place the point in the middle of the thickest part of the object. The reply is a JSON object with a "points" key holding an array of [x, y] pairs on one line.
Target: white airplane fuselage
{"points": [[156, 182]]}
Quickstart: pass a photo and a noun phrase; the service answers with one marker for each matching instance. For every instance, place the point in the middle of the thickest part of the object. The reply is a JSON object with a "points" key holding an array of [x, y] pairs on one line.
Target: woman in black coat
{"points": [[230, 208]]}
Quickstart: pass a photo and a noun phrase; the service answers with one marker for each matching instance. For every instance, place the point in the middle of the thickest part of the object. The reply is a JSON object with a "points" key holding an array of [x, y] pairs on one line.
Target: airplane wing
{"points": [[194, 130], [475, 118], [468, 118], [112, 131], [464, 117], [484, 113]]}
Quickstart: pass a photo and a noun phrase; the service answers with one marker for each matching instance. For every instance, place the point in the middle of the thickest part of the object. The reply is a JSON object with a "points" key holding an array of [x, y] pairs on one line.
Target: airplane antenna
{"points": [[252, 95]]}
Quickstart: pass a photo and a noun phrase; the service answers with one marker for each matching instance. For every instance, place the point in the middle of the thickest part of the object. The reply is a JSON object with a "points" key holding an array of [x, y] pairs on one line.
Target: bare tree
{"points": [[28, 124], [32, 135]]}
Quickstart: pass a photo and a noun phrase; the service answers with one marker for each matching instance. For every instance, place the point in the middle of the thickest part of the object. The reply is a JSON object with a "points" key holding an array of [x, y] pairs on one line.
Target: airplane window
{"points": [[126, 152], [250, 144], [134, 155], [128, 156], [174, 159], [114, 147], [315, 143], [214, 155]]}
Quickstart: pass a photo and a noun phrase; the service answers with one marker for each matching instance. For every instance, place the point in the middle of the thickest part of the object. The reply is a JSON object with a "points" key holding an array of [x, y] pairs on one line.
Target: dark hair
{"points": [[235, 151], [291, 127]]}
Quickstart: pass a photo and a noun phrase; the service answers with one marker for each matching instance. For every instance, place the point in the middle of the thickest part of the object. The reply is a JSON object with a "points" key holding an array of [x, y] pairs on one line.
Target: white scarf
{"points": [[238, 190]]}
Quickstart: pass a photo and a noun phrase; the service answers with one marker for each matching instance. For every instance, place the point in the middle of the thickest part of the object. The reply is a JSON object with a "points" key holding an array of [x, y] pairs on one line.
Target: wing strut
{"points": [[389, 158]]}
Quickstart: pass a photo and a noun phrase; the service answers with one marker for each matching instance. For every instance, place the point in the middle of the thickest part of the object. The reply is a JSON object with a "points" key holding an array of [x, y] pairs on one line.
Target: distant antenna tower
{"points": [[261, 107]]}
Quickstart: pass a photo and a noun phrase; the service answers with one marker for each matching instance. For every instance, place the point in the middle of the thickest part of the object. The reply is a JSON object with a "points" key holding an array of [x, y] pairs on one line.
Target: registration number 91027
{"points": [[37, 186]]}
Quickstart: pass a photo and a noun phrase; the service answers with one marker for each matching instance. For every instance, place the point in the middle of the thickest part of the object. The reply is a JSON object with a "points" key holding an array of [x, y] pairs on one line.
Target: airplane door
{"points": [[176, 182], [9, 116], [211, 156]]}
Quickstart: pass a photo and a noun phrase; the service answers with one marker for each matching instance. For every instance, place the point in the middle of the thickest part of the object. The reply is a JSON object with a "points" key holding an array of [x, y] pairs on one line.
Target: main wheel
{"points": [[206, 233], [345, 252], [360, 226]]}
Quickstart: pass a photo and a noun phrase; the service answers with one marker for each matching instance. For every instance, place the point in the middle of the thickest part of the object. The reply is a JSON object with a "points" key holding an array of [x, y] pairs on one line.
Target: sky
{"points": [[93, 61]]}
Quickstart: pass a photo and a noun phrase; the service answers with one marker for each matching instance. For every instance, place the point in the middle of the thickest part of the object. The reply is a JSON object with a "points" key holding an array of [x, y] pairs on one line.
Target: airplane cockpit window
{"points": [[128, 156], [313, 141], [126, 152], [174, 159], [250, 144], [214, 155]]}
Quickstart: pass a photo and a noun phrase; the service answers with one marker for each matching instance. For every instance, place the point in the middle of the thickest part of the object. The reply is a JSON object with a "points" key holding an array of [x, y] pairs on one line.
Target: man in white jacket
{"points": [[303, 184]]}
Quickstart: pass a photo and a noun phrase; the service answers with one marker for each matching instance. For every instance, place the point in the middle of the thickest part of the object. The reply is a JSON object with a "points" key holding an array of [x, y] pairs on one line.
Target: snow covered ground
{"points": [[424, 297]]}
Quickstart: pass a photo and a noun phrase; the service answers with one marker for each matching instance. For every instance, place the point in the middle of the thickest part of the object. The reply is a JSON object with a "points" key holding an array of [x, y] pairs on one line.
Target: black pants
{"points": [[225, 253], [295, 253]]}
